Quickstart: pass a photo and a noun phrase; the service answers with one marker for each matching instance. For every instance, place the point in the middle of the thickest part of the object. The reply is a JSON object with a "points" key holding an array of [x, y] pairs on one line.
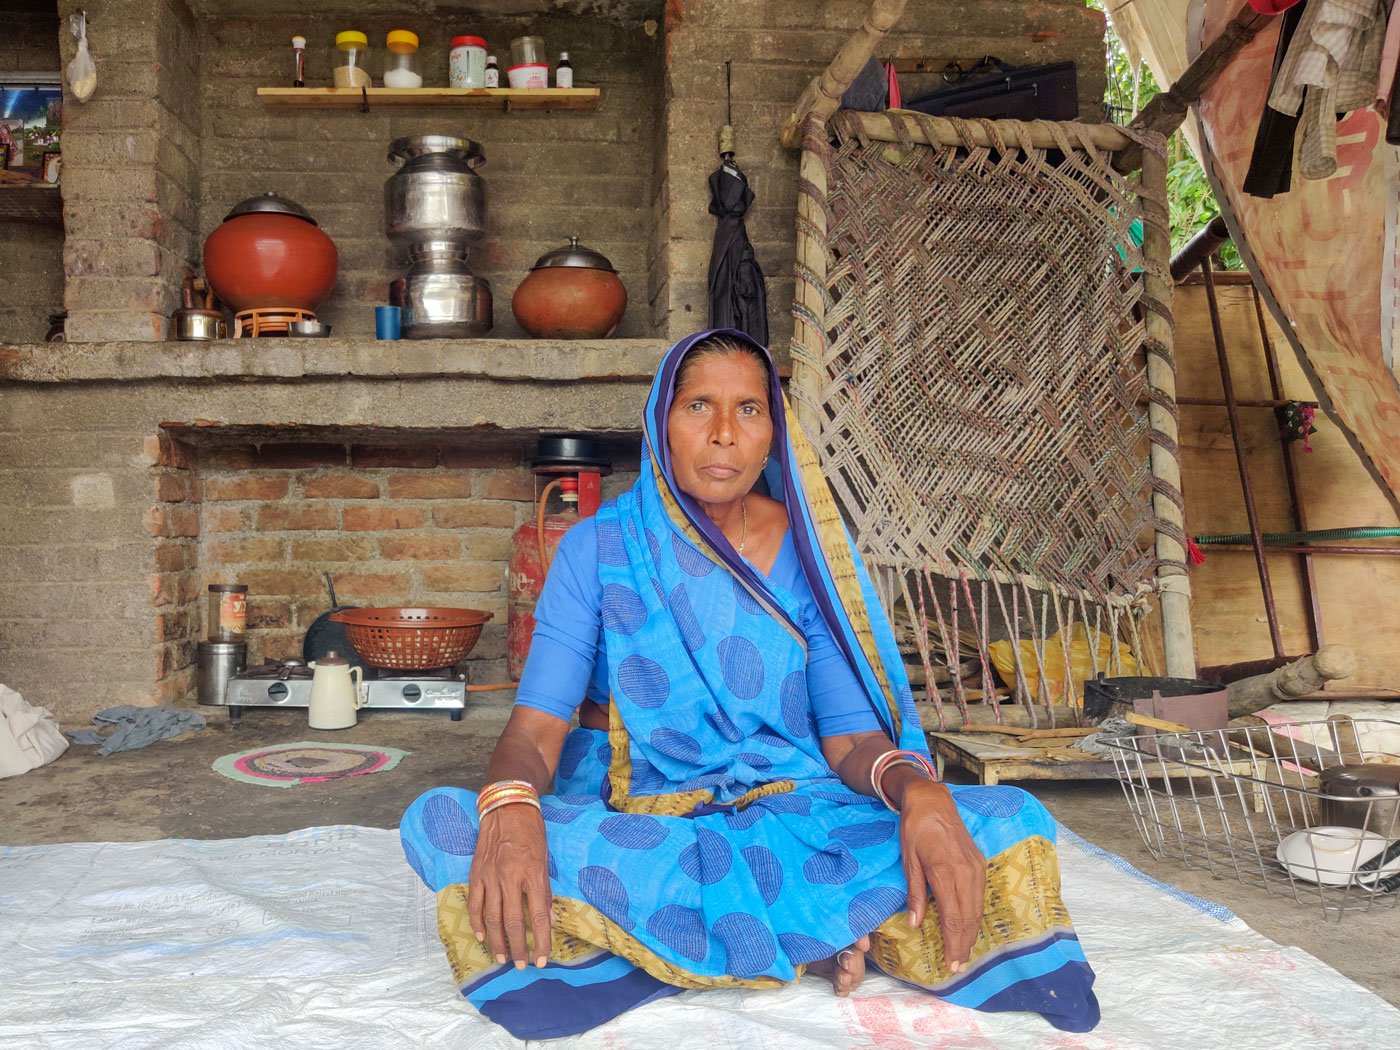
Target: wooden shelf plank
{"points": [[483, 98]]}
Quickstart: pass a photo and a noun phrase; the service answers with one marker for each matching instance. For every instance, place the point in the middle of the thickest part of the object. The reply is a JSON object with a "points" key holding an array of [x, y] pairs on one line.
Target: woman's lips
{"points": [[719, 473]]}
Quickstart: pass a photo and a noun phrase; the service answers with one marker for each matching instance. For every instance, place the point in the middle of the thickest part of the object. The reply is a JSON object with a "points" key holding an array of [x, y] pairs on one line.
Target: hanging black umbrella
{"points": [[738, 297]]}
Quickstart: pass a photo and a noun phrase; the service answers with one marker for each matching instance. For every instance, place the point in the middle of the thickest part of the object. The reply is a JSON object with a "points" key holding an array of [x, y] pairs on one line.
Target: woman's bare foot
{"points": [[846, 969]]}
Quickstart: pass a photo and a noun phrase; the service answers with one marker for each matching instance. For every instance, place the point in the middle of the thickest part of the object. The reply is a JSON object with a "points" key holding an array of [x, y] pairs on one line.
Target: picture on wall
{"points": [[31, 122]]}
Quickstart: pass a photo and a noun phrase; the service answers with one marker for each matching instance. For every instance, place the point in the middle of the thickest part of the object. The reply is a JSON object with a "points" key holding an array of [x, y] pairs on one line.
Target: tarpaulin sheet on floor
{"points": [[324, 938]]}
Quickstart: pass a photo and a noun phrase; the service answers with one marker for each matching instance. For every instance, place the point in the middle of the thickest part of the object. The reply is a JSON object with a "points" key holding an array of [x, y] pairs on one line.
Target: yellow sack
{"points": [[1081, 667]]}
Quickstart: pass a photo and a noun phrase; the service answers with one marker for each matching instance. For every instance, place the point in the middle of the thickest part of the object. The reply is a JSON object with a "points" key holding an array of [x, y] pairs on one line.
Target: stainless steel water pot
{"points": [[441, 298], [436, 195]]}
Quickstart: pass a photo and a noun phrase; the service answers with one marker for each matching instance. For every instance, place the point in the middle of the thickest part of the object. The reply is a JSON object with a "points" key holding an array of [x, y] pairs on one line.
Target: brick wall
{"points": [[31, 254], [548, 175], [131, 167], [426, 524], [776, 47]]}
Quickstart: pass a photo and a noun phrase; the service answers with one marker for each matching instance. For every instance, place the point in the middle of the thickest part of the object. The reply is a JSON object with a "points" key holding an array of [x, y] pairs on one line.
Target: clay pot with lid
{"points": [[572, 292], [270, 253]]}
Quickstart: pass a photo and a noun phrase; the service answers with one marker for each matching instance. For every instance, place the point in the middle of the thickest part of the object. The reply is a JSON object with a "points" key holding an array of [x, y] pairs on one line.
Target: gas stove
{"points": [[288, 684]]}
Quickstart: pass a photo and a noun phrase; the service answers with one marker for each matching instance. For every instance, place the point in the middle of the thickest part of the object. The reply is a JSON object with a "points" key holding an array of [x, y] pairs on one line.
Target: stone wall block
{"points": [[282, 517], [475, 514], [340, 486], [364, 518], [429, 486]]}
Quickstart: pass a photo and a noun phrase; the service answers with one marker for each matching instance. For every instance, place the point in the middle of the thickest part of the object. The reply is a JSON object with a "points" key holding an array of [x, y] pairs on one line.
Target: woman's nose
{"points": [[723, 431]]}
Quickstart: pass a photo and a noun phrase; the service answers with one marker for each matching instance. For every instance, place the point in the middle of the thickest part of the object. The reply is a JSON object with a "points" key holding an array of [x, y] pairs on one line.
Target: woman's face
{"points": [[719, 427]]}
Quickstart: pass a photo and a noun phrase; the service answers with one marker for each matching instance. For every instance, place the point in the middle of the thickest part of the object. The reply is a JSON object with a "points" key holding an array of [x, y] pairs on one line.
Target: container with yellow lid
{"points": [[401, 67], [350, 60]]}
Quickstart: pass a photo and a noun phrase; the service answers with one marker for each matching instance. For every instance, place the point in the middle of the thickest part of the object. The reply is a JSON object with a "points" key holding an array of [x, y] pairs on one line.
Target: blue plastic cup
{"points": [[386, 322]]}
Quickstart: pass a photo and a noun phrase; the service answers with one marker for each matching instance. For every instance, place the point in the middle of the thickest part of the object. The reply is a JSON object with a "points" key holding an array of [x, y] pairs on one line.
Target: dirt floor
{"points": [[168, 790]]}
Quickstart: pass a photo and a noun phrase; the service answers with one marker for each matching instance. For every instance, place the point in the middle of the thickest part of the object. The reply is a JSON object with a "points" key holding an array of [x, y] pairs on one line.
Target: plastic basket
{"points": [[412, 639]]}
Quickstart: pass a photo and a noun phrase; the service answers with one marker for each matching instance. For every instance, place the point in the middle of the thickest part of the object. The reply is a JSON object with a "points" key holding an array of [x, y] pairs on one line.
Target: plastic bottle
{"points": [[399, 71], [299, 61], [564, 72]]}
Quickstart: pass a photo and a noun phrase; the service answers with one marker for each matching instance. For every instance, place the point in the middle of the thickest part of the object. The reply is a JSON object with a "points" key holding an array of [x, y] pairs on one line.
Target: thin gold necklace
{"points": [[743, 523]]}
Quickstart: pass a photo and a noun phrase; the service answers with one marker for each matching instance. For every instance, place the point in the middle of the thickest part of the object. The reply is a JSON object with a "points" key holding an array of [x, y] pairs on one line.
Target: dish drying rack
{"points": [[1223, 800]]}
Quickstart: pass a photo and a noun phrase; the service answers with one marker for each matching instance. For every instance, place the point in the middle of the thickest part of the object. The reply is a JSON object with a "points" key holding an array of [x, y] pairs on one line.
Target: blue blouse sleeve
{"points": [[564, 649]]}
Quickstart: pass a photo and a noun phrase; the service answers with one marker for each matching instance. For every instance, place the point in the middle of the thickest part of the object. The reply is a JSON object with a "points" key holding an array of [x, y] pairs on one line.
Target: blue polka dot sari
{"points": [[703, 841]]}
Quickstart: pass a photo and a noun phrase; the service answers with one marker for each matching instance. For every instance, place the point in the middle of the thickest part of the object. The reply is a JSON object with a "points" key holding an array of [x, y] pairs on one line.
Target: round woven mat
{"points": [[308, 762]]}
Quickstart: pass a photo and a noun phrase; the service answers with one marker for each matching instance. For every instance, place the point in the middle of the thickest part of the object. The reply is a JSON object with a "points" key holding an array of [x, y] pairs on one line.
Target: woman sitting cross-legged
{"points": [[748, 795]]}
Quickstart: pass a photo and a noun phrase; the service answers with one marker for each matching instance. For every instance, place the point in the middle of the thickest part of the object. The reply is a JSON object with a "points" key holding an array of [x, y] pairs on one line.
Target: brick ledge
{"points": [[525, 360]]}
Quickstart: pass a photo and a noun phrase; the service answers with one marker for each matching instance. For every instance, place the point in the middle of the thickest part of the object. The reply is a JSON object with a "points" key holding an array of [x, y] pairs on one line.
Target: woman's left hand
{"points": [[939, 854]]}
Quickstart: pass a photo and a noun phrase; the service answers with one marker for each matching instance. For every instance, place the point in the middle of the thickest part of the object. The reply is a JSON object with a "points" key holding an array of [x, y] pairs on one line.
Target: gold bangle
{"points": [[508, 802]]}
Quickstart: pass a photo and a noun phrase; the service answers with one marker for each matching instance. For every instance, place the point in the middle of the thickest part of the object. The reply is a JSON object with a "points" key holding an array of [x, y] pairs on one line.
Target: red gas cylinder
{"points": [[528, 570]]}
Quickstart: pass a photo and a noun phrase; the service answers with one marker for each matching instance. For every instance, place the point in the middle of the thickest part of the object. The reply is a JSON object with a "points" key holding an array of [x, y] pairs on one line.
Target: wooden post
{"points": [[822, 96], [1174, 588], [808, 362]]}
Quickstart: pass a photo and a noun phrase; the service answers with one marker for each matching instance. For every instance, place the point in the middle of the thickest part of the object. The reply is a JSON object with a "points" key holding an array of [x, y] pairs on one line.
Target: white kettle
{"points": [[337, 692]]}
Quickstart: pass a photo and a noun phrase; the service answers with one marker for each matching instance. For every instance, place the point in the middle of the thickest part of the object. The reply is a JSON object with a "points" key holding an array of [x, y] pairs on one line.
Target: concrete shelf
{"points": [[535, 361], [508, 99]]}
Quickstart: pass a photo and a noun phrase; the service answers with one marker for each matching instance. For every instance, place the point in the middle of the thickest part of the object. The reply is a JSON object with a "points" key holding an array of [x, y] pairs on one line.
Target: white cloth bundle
{"points": [[29, 736]]}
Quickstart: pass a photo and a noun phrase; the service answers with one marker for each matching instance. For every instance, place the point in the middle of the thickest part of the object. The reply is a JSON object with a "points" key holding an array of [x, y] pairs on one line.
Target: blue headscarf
{"points": [[706, 661]]}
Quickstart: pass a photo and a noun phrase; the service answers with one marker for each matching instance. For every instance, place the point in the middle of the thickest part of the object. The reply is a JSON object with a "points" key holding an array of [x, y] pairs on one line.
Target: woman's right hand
{"points": [[509, 891]]}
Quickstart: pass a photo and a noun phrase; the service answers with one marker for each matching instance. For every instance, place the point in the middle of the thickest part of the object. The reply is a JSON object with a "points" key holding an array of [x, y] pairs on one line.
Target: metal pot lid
{"points": [[563, 450], [411, 146], [575, 254], [270, 202]]}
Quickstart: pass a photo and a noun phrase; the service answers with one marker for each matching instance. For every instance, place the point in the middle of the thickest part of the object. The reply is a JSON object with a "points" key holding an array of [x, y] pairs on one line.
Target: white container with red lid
{"points": [[466, 63]]}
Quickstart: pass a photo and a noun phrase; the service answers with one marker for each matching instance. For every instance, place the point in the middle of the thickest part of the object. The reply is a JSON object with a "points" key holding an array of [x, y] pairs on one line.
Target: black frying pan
{"points": [[326, 635]]}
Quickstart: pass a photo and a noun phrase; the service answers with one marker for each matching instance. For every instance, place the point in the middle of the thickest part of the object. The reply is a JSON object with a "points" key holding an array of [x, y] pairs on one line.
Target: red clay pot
{"points": [[572, 293], [261, 259]]}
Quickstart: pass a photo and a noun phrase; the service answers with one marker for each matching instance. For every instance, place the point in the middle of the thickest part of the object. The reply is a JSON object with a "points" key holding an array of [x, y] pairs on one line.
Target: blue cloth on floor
{"points": [[136, 727]]}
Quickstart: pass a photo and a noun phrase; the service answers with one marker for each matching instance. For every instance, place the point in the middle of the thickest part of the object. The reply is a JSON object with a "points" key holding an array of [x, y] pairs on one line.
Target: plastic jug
{"points": [[337, 692]]}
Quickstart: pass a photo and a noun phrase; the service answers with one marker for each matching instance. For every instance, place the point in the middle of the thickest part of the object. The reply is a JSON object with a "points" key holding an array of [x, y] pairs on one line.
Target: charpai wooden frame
{"points": [[980, 422]]}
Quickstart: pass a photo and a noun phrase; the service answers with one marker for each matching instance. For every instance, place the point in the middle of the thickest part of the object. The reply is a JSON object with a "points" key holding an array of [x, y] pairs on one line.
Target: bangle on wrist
{"points": [[502, 792], [882, 765], [510, 801]]}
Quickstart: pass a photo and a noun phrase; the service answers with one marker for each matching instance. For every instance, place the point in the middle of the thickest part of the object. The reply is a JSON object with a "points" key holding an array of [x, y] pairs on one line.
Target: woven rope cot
{"points": [[982, 358]]}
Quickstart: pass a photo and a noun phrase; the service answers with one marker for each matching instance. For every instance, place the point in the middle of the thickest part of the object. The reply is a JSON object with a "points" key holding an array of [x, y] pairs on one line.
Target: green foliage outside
{"points": [[1189, 194]]}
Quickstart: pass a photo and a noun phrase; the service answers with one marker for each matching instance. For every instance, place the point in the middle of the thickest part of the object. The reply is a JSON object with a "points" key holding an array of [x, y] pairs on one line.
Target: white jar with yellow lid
{"points": [[350, 61], [401, 65]]}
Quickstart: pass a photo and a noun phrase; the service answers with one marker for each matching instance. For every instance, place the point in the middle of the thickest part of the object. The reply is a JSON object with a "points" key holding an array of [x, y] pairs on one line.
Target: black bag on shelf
{"points": [[1027, 93]]}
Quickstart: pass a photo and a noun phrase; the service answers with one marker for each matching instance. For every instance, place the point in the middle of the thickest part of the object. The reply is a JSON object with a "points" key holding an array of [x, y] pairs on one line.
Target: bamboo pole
{"points": [[822, 97], [1172, 583], [879, 127], [808, 363]]}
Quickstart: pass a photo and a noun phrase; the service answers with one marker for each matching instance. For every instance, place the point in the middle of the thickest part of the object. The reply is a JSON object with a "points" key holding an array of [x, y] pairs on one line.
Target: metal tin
{"points": [[217, 663], [442, 298]]}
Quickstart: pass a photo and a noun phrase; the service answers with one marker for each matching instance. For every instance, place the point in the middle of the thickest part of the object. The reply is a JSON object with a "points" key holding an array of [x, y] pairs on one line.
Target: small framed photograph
{"points": [[52, 166]]}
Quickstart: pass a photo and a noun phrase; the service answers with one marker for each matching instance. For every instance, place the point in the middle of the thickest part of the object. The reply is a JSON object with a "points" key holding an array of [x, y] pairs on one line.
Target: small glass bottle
{"points": [[564, 72], [493, 72], [298, 61]]}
